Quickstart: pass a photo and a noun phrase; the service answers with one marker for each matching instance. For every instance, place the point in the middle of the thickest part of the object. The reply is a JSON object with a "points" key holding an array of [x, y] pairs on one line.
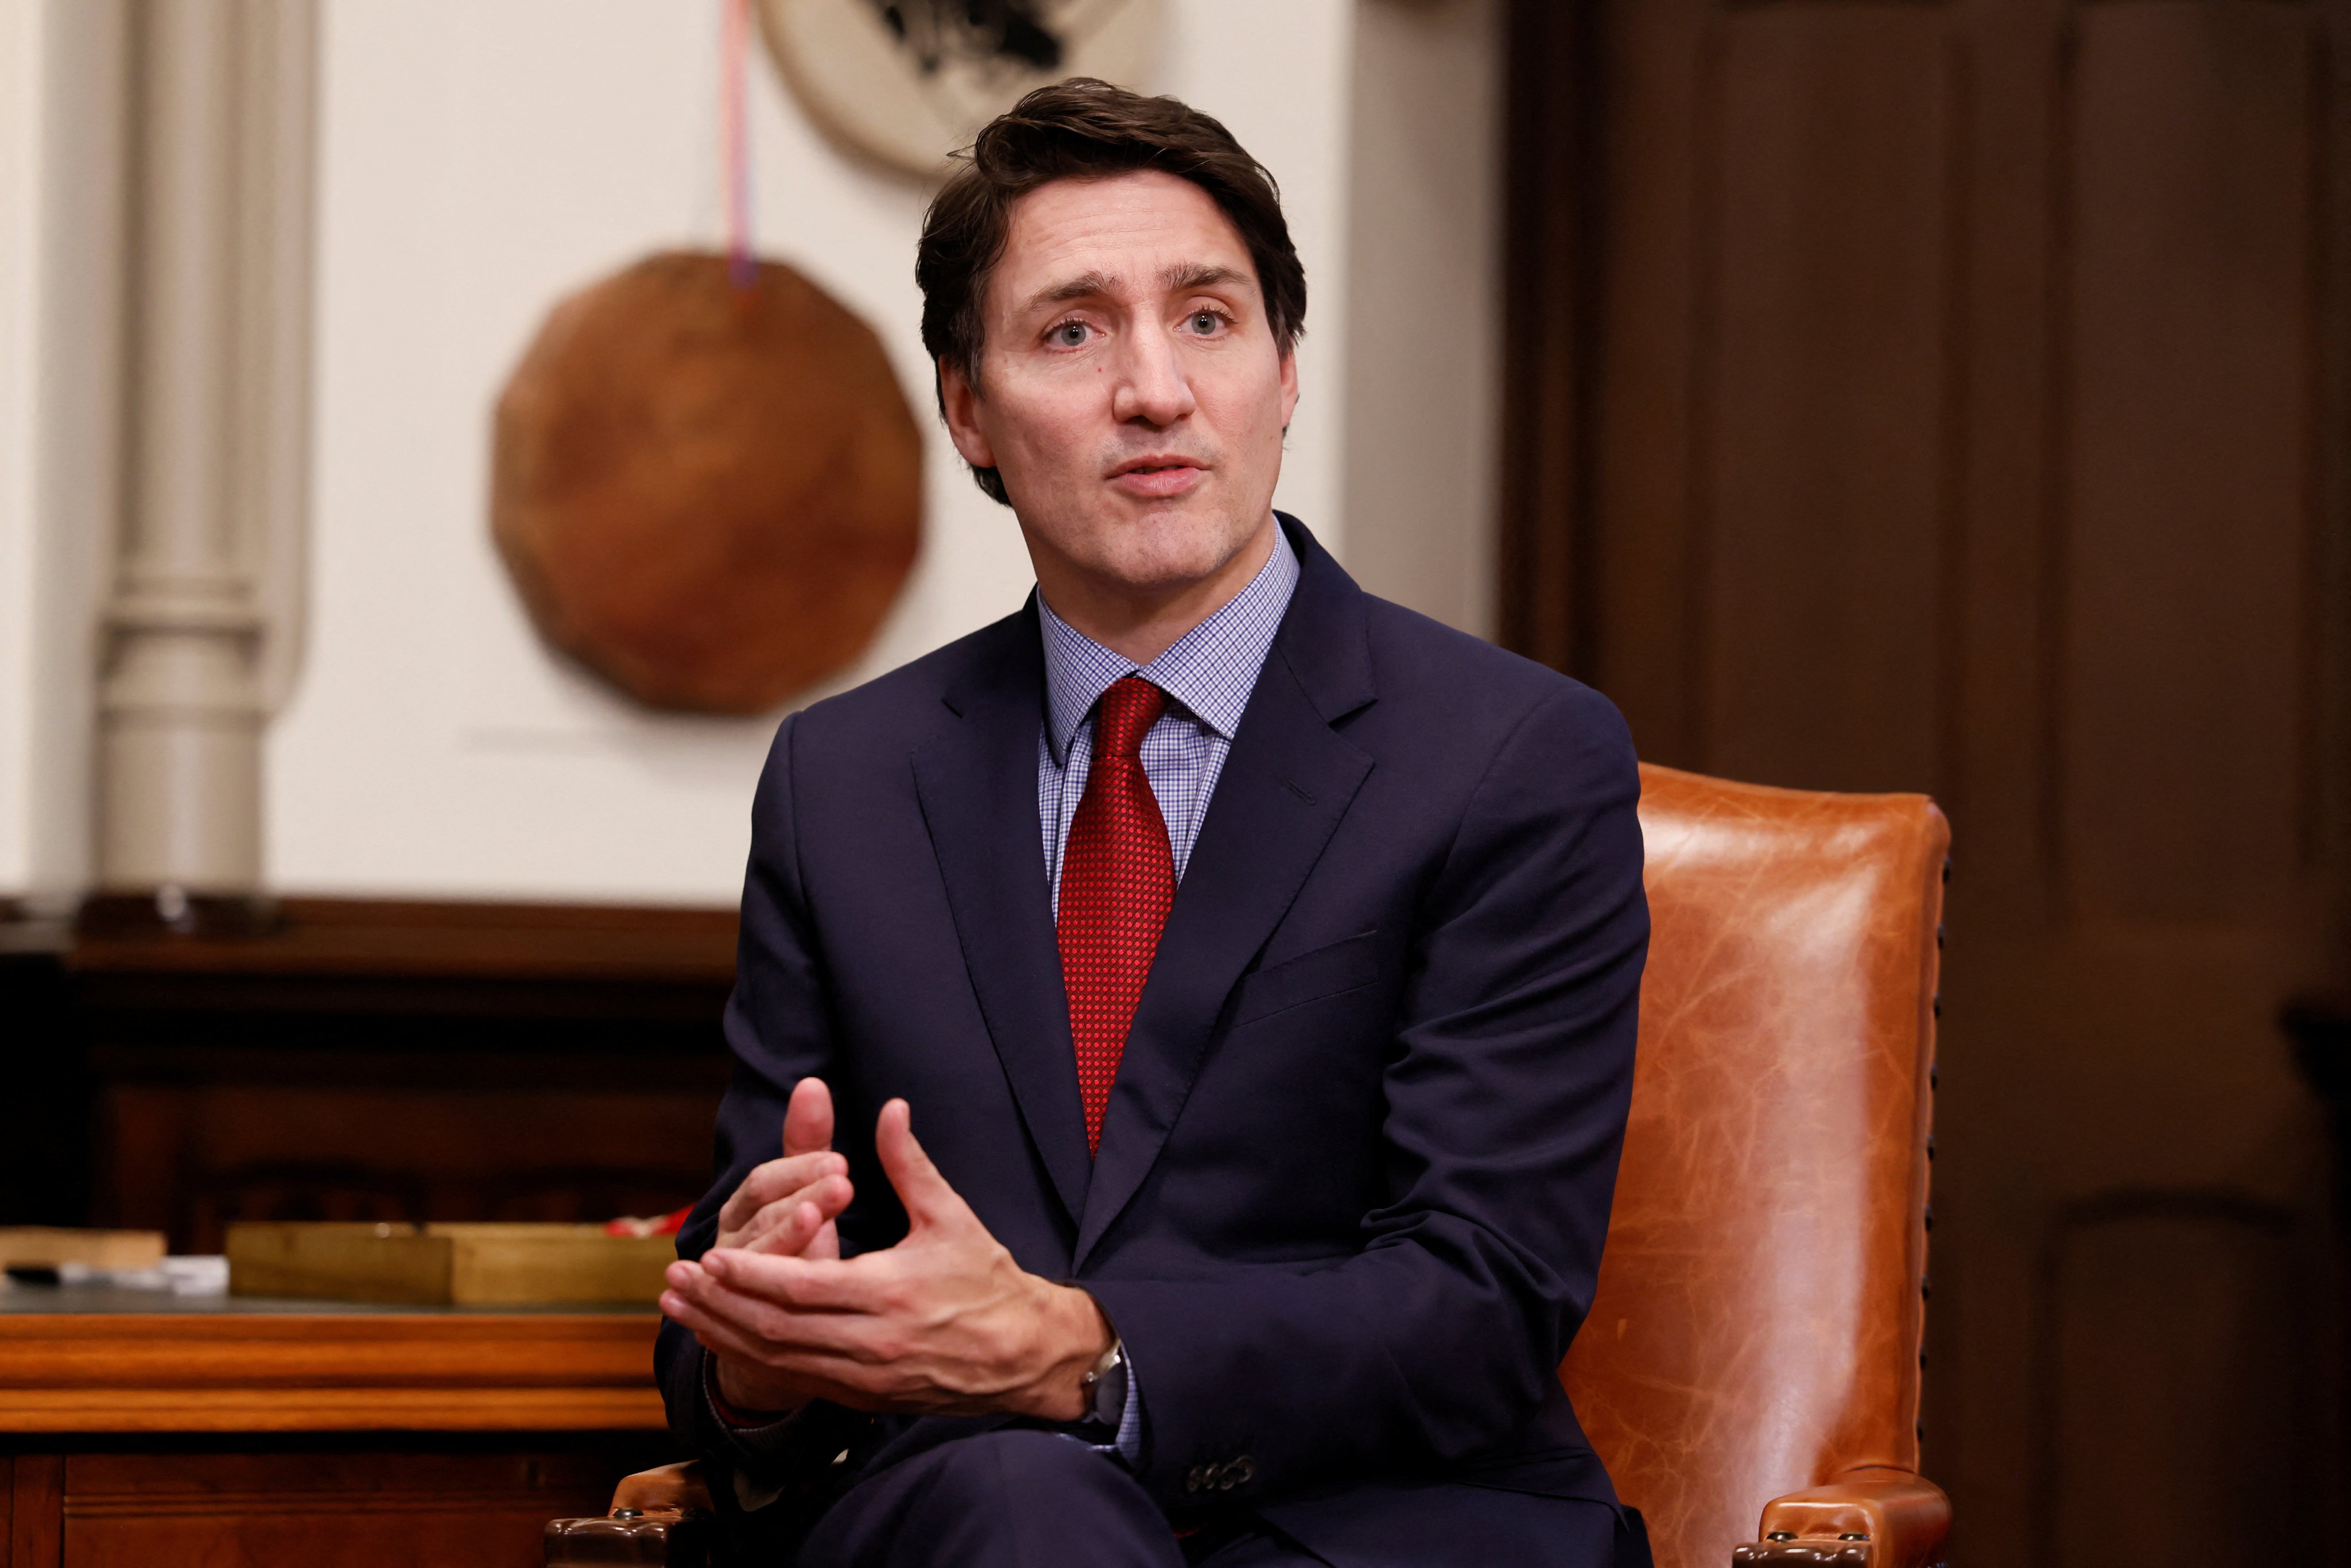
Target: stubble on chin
{"points": [[1162, 551]]}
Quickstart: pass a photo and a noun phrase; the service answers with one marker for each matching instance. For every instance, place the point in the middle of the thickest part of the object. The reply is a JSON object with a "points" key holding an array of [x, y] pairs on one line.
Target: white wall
{"points": [[1424, 325], [476, 160]]}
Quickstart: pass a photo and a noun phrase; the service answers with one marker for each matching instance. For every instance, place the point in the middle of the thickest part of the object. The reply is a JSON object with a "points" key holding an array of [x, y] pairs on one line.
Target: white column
{"points": [[20, 143], [202, 606], [63, 163]]}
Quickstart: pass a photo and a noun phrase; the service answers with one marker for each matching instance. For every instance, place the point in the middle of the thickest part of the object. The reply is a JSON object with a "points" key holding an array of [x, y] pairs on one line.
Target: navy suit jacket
{"points": [[1357, 1169]]}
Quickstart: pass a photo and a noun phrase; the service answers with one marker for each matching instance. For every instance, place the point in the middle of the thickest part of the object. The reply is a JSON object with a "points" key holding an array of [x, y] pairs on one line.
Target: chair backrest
{"points": [[1756, 1326]]}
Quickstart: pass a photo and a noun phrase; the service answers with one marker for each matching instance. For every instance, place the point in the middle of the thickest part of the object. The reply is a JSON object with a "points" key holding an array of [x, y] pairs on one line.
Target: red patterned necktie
{"points": [[1118, 878]]}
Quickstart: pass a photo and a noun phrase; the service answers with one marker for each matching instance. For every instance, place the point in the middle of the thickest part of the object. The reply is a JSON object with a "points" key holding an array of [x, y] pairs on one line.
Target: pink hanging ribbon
{"points": [[735, 136]]}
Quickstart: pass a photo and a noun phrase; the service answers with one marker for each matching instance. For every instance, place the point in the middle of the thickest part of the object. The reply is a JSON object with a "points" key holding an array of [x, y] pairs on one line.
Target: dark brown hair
{"points": [[1083, 128]]}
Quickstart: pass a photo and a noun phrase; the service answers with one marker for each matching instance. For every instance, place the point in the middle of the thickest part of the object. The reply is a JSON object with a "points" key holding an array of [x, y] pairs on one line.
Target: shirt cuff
{"points": [[730, 1417], [1129, 1441]]}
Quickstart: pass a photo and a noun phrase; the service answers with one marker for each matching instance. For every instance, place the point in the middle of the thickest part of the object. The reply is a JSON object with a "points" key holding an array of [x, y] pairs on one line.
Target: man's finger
{"points": [[811, 1374], [702, 1302], [719, 1333], [784, 1331], [785, 1230], [775, 1180], [830, 1196], [808, 1119], [696, 1298], [866, 1285], [928, 1199]]}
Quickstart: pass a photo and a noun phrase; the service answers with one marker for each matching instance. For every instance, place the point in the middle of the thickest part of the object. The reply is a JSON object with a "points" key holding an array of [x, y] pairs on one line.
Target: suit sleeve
{"points": [[778, 1025], [1507, 1084]]}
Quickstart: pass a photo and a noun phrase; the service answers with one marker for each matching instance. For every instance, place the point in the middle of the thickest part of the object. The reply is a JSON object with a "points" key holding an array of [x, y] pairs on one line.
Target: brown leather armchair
{"points": [[1755, 1341]]}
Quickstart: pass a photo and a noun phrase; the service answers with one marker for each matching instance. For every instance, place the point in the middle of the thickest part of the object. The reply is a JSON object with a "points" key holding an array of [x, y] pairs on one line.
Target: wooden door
{"points": [[1949, 397]]}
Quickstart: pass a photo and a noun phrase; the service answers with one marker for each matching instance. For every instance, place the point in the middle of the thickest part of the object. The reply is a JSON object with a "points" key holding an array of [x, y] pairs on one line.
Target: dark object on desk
{"points": [[48, 1247], [369, 1061]]}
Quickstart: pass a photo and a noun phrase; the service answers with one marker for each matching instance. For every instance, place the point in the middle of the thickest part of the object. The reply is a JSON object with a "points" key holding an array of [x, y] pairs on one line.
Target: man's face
{"points": [[1132, 393]]}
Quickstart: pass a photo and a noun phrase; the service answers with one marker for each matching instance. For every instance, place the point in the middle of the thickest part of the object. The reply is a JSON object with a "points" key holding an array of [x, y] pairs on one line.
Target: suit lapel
{"points": [[977, 783], [1288, 782]]}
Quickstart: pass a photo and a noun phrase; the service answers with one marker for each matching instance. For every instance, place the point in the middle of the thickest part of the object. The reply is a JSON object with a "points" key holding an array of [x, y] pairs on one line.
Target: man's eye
{"points": [[1204, 321], [1070, 334]]}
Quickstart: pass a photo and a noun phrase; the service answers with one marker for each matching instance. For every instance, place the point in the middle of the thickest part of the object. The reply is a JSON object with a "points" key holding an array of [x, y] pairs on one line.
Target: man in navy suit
{"points": [[1257, 960]]}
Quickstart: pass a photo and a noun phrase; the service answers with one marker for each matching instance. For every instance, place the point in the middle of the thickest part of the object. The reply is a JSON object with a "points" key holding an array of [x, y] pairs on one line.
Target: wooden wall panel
{"points": [[1634, 533], [1967, 413], [1545, 479], [1826, 398], [2176, 1386], [2184, 575], [372, 1061], [190, 1158]]}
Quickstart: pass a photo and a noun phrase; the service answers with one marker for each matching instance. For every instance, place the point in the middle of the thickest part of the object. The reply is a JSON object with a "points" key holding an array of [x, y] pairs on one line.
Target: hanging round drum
{"points": [[707, 490], [910, 81]]}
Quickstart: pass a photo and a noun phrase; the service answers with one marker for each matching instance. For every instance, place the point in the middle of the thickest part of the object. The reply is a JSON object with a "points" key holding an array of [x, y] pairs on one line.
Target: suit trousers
{"points": [[1025, 1499], [1016, 1498]]}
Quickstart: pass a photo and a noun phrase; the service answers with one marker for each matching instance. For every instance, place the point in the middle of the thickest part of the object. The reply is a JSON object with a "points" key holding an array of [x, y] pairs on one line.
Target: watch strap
{"points": [[1104, 1386]]}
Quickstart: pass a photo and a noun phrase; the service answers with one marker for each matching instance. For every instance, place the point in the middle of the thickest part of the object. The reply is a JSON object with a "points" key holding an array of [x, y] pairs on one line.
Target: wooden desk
{"points": [[242, 1435]]}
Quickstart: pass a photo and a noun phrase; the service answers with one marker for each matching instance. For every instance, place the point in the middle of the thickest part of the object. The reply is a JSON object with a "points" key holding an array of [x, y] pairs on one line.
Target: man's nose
{"points": [[1152, 388]]}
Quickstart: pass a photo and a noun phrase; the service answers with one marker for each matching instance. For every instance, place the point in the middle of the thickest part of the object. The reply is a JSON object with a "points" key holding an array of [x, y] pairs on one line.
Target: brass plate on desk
{"points": [[483, 1265]]}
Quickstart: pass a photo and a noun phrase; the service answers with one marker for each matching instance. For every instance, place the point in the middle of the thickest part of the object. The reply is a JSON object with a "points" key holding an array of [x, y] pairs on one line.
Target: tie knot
{"points": [[1129, 708]]}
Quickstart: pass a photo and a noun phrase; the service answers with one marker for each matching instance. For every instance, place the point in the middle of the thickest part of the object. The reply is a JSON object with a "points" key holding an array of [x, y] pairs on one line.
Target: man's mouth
{"points": [[1157, 477]]}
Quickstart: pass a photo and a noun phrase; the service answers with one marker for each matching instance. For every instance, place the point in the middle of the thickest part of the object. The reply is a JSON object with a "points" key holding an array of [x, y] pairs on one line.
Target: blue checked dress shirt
{"points": [[1207, 675]]}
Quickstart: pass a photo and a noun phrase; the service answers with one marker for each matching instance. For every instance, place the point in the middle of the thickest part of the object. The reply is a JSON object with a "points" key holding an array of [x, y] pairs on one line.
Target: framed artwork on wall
{"points": [[908, 82]]}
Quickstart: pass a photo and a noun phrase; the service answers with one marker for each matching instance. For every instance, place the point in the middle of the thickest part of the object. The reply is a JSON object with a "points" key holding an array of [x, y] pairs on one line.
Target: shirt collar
{"points": [[1211, 669]]}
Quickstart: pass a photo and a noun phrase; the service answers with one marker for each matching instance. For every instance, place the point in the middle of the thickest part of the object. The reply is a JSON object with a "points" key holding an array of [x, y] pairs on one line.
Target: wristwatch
{"points": [[1104, 1386]]}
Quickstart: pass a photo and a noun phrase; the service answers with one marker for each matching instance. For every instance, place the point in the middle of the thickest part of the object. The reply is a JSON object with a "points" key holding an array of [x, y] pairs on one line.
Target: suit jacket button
{"points": [[1243, 1471], [1196, 1478]]}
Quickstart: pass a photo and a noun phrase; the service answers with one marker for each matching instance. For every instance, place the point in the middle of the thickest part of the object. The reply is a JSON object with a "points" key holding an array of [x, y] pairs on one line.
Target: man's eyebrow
{"points": [[1191, 274], [1084, 286], [1177, 279]]}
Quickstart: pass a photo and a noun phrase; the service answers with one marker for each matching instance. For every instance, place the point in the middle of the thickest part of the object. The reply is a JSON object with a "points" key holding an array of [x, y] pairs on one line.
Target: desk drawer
{"points": [[371, 1508]]}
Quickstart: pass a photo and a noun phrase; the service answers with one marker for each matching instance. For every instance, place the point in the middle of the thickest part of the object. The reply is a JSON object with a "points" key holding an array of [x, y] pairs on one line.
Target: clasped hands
{"points": [[945, 1323]]}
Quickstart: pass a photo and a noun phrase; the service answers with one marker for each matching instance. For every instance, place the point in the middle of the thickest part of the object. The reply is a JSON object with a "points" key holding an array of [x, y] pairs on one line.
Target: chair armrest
{"points": [[1874, 1518], [660, 1519], [673, 1487]]}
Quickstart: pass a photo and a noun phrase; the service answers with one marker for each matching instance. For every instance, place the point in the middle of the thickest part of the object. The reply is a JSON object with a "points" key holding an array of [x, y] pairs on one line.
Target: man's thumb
{"points": [[924, 1192], [808, 1119]]}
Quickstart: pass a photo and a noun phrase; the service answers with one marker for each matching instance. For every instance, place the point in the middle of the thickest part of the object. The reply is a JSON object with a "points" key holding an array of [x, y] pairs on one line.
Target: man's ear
{"points": [[1289, 385], [959, 402]]}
